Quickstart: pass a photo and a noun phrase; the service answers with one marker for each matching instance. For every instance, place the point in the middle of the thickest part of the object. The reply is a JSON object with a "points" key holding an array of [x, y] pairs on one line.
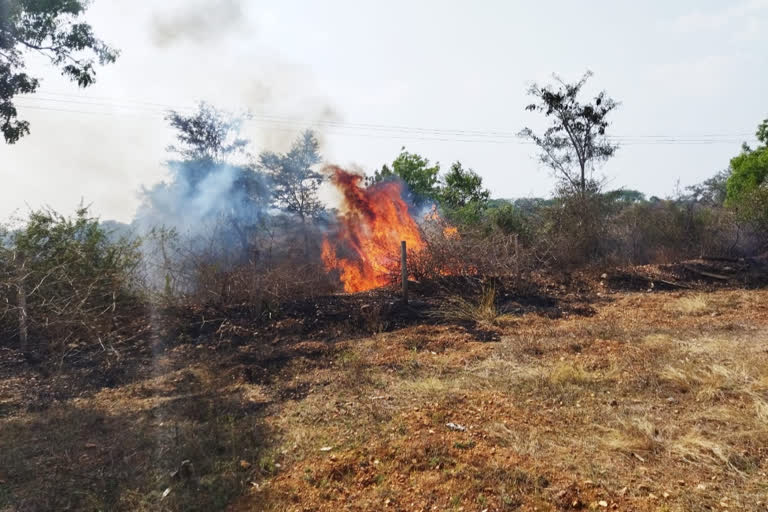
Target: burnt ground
{"points": [[700, 274], [564, 389]]}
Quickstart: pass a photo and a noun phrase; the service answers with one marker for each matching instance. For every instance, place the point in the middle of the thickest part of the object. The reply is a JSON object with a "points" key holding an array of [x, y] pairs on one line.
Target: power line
{"points": [[164, 108], [119, 107], [126, 103]]}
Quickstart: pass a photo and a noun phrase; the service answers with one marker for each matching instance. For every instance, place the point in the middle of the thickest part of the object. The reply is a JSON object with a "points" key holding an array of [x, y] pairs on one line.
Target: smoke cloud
{"points": [[200, 21], [207, 204]]}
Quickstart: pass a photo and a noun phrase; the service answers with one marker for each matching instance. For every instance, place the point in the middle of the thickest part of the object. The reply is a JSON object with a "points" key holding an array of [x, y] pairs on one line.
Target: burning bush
{"points": [[372, 222]]}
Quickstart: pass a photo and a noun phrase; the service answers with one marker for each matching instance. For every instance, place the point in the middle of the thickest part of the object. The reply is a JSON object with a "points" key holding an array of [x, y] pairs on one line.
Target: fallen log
{"points": [[706, 274], [669, 283], [652, 280], [722, 258]]}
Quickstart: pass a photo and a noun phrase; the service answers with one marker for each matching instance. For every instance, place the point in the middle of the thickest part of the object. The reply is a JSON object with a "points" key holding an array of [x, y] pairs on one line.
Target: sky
{"points": [[445, 79]]}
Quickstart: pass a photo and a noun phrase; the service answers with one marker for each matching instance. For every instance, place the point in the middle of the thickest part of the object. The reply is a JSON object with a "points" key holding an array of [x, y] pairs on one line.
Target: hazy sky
{"points": [[373, 73]]}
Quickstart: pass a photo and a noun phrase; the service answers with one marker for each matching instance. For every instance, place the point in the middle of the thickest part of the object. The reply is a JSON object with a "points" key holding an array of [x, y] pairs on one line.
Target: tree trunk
{"points": [[305, 233]]}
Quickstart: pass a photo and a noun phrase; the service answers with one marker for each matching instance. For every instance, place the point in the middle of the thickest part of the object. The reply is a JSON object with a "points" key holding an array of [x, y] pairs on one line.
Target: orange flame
{"points": [[372, 223], [451, 232]]}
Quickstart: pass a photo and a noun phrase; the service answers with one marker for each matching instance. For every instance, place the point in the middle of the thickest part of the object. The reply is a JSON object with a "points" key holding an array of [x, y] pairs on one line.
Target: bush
{"points": [[62, 280], [753, 212], [669, 230]]}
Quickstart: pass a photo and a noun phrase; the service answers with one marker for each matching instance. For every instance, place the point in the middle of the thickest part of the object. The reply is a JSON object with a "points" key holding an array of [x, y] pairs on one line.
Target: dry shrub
{"points": [[466, 253], [670, 230], [258, 285], [64, 283]]}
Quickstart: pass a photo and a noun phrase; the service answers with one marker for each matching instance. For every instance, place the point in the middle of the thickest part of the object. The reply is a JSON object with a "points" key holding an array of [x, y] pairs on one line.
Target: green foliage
{"points": [[762, 132], [461, 195], [749, 169], [575, 140], [294, 181], [747, 185], [69, 271], [461, 187], [53, 28], [421, 178], [510, 219], [753, 211]]}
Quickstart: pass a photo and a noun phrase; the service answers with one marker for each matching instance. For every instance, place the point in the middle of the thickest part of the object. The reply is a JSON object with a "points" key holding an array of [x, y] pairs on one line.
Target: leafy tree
{"points": [[749, 169], [461, 187], [712, 191], [207, 135], [415, 171], [294, 181], [575, 140], [53, 28]]}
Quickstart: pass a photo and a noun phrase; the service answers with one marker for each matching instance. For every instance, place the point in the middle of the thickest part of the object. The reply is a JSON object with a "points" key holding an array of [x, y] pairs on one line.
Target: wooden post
{"points": [[404, 269], [517, 258], [21, 299]]}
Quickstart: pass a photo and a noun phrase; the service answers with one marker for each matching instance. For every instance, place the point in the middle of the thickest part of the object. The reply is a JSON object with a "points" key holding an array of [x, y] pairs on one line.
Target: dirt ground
{"points": [[644, 401]]}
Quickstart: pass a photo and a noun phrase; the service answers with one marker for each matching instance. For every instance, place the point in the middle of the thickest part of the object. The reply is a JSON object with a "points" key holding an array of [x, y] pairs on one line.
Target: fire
{"points": [[372, 223], [451, 232]]}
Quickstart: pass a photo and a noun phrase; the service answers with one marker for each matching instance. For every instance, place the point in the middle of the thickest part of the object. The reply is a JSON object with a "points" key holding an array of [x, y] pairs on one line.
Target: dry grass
{"points": [[690, 305], [565, 374], [481, 311], [640, 406]]}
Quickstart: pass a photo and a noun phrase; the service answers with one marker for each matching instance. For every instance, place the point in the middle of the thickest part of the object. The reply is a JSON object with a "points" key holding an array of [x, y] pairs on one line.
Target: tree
{"points": [[712, 191], [52, 28], [294, 181], [747, 187], [461, 187], [211, 182], [207, 135], [749, 169], [575, 140], [415, 171]]}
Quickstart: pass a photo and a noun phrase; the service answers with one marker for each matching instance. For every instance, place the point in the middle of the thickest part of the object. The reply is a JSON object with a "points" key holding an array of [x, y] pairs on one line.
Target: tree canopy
{"points": [[461, 187], [294, 181], [208, 134], [575, 140], [415, 171], [53, 28], [749, 169]]}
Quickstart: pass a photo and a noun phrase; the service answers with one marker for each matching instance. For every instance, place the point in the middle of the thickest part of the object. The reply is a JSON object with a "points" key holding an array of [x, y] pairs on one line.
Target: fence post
{"points": [[21, 299], [404, 269]]}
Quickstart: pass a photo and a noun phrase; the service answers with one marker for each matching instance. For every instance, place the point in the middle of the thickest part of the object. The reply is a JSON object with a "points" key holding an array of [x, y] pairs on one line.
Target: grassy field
{"points": [[656, 402]]}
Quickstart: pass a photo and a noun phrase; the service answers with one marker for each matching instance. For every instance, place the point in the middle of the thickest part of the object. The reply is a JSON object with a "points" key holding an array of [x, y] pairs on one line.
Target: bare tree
{"points": [[575, 141]]}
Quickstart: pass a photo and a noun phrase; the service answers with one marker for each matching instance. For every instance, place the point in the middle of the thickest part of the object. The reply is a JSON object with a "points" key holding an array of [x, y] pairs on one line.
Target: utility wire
{"points": [[122, 107]]}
